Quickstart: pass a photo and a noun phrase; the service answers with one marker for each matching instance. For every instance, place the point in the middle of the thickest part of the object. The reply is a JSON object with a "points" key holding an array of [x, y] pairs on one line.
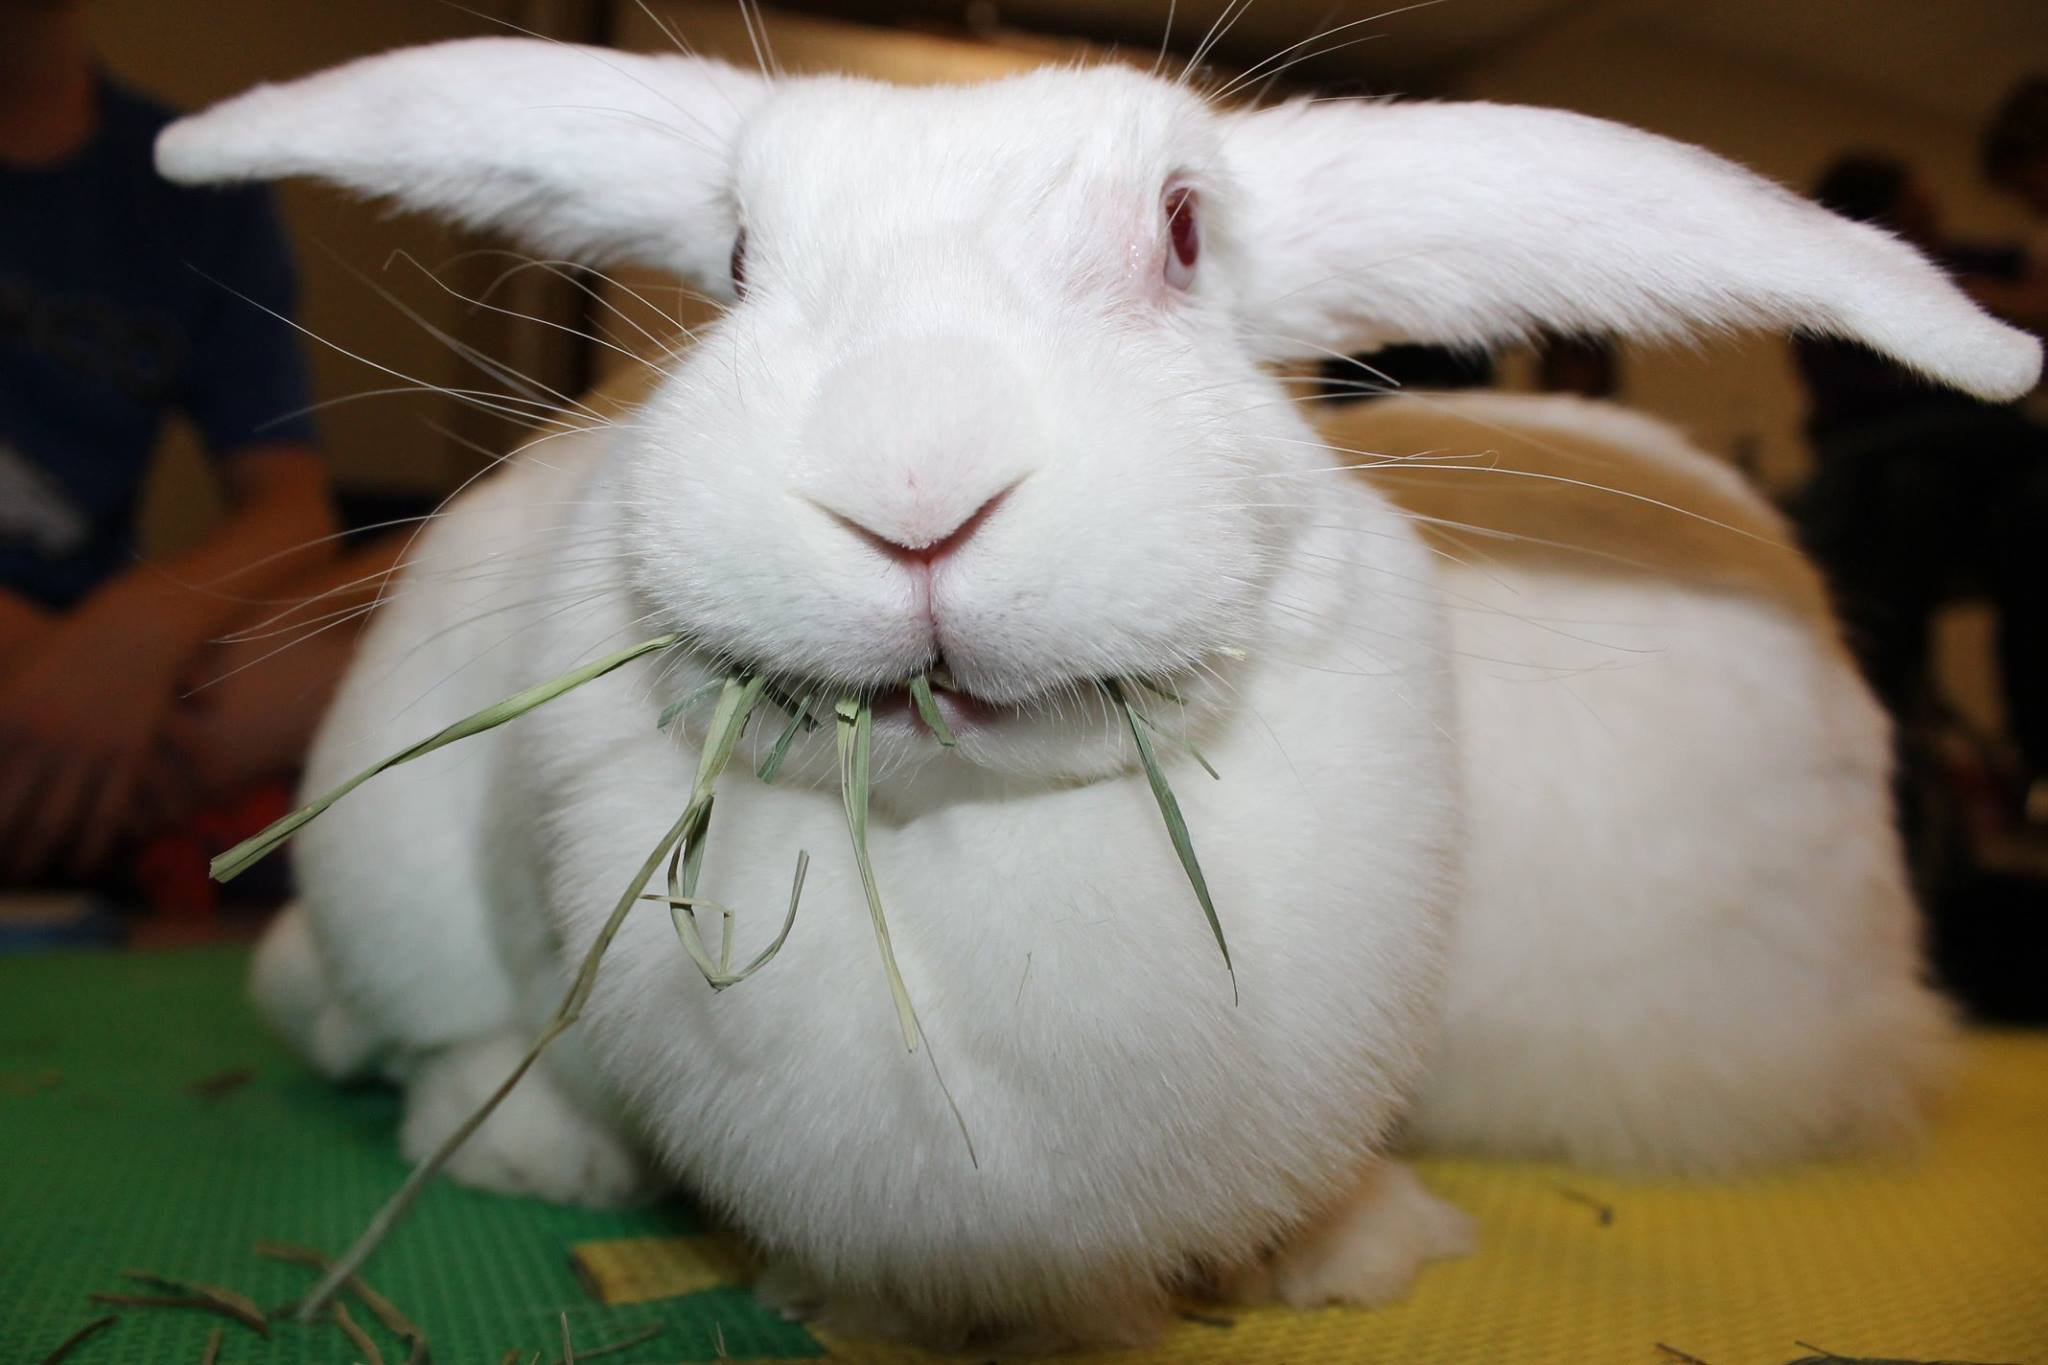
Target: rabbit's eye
{"points": [[739, 264], [1184, 236]]}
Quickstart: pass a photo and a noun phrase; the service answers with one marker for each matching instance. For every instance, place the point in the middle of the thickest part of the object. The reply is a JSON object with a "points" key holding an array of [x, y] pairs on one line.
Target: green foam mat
{"points": [[110, 1159]]}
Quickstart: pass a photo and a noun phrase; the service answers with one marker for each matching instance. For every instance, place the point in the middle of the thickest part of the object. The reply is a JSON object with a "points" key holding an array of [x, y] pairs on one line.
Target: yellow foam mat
{"points": [[1941, 1256], [643, 1269]]}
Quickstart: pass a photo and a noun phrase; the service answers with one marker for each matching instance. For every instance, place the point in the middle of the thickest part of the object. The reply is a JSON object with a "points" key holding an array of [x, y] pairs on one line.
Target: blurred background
{"points": [[1896, 104]]}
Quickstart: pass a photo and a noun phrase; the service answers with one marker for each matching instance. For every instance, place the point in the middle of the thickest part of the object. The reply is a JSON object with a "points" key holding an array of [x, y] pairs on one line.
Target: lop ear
{"points": [[580, 152], [1368, 223]]}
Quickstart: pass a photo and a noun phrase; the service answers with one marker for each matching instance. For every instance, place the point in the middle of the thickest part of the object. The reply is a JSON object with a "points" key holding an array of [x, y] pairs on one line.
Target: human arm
{"points": [[23, 624], [264, 694], [79, 716]]}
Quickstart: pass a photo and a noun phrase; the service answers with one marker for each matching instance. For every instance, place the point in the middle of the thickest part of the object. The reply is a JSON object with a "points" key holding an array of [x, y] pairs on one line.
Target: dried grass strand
{"points": [[570, 1010], [639, 1338], [242, 856], [801, 718], [928, 711], [357, 1337], [1176, 823], [237, 1306], [384, 1310], [855, 727], [78, 1338]]}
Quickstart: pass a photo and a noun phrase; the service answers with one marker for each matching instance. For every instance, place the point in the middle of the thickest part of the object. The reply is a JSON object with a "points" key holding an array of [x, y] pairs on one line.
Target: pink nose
{"points": [[915, 546]]}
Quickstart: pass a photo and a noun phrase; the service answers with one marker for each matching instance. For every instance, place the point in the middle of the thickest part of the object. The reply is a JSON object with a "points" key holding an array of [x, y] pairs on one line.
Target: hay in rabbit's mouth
{"points": [[930, 701], [933, 704], [682, 849]]}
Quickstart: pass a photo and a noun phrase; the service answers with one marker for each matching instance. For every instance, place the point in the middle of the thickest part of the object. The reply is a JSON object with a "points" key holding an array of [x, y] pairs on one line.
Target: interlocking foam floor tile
{"points": [[108, 1159], [640, 1269]]}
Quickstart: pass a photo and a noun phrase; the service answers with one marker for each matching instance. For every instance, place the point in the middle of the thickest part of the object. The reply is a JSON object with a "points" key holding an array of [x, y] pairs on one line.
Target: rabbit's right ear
{"points": [[581, 152]]}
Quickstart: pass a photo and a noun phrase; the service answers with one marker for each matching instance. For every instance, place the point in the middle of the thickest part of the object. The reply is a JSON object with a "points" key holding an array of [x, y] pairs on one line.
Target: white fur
{"points": [[1460, 222], [1367, 1249], [1686, 939], [597, 155]]}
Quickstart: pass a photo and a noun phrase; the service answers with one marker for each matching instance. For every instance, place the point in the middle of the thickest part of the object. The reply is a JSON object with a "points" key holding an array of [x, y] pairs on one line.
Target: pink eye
{"points": [[1184, 236], [739, 265]]}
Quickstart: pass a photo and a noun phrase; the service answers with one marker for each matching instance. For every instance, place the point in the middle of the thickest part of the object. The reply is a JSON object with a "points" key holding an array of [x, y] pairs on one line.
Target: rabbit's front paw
{"points": [[1367, 1250], [538, 1142], [796, 1296]]}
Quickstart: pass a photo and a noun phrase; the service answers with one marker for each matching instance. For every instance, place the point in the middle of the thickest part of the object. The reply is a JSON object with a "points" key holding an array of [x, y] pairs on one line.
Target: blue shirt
{"points": [[107, 326]]}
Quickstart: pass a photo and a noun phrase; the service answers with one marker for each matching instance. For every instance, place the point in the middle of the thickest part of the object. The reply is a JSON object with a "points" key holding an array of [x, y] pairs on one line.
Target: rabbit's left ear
{"points": [[581, 152], [1368, 223]]}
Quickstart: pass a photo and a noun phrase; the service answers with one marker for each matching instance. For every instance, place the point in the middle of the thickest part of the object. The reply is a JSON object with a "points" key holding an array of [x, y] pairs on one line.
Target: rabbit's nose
{"points": [[918, 542]]}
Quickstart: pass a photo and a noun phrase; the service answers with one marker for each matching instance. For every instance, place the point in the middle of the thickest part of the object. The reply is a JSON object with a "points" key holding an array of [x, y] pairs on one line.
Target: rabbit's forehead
{"points": [[1052, 144]]}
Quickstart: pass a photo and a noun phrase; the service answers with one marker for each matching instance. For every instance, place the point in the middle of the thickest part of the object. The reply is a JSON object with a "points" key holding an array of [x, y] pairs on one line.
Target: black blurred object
{"points": [[1396, 369], [360, 510], [1921, 508], [1922, 495], [1978, 925], [2014, 149], [1589, 366]]}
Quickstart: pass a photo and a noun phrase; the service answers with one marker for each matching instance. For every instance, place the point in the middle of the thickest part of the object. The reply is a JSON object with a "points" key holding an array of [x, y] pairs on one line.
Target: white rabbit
{"points": [[993, 392]]}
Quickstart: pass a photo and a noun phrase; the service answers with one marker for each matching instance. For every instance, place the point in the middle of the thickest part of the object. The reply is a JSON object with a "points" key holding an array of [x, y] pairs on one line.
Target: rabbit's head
{"points": [[992, 396]]}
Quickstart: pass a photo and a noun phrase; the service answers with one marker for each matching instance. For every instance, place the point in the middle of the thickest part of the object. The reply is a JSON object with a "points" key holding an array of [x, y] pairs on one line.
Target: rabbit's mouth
{"points": [[957, 707], [961, 711], [1071, 727]]}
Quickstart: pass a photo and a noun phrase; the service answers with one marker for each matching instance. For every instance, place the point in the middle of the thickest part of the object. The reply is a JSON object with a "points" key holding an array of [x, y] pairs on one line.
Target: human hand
{"points": [[24, 625], [79, 716]]}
